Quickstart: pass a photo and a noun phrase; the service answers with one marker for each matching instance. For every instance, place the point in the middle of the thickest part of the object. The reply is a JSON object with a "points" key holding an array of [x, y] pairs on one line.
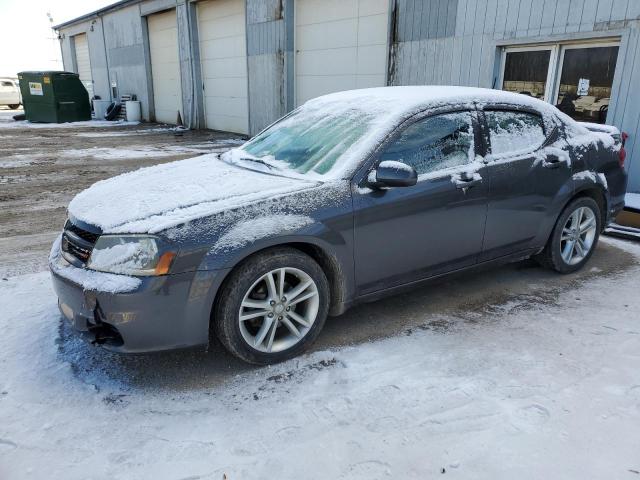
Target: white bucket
{"points": [[100, 108], [134, 112]]}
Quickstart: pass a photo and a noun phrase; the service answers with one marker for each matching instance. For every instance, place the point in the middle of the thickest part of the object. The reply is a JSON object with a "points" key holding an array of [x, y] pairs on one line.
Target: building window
{"points": [[526, 71], [577, 78]]}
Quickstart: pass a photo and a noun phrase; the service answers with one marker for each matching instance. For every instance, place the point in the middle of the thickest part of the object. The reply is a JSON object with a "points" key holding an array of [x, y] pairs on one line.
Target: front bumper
{"points": [[162, 313]]}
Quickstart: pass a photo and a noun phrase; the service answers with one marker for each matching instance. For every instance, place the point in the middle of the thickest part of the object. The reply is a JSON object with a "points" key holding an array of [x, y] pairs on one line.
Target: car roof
{"points": [[409, 99]]}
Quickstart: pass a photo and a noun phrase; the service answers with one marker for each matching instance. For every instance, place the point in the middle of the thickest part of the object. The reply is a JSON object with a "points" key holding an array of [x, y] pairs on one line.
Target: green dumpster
{"points": [[54, 97]]}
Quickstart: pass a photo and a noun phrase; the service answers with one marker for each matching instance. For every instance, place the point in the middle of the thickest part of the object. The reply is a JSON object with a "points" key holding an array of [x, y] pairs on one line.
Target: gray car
{"points": [[350, 197]]}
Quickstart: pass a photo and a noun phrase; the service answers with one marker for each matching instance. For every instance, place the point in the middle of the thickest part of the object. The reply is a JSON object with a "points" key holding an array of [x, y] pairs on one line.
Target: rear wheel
{"points": [[574, 237], [272, 307], [14, 107]]}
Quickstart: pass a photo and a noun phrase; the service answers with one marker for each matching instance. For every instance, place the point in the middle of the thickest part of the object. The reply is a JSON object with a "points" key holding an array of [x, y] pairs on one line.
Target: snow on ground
{"points": [[632, 200], [7, 121], [145, 131], [526, 389], [118, 153], [72, 155]]}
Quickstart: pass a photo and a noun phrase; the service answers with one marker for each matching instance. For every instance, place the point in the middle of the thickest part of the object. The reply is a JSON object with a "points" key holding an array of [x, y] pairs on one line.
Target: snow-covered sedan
{"points": [[350, 197]]}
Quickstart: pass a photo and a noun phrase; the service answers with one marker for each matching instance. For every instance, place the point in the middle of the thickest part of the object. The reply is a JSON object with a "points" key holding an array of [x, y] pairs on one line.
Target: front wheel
{"points": [[272, 307], [574, 237]]}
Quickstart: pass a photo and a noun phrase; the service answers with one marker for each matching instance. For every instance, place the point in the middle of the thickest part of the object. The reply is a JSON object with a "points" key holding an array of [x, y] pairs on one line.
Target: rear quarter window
{"points": [[512, 132]]}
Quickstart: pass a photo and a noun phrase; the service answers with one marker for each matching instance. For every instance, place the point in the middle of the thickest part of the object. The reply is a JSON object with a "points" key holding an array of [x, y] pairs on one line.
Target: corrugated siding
{"points": [[460, 47], [125, 49], [265, 50], [425, 19]]}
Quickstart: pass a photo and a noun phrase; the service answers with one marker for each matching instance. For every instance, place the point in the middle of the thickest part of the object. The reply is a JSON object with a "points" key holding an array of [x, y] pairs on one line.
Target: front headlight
{"points": [[130, 255]]}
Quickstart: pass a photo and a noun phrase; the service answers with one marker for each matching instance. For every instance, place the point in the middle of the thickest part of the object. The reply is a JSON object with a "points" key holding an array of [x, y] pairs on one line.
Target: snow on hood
{"points": [[153, 199]]}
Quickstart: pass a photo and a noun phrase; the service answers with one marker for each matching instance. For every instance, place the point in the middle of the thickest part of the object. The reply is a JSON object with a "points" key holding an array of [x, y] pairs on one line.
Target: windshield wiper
{"points": [[260, 161]]}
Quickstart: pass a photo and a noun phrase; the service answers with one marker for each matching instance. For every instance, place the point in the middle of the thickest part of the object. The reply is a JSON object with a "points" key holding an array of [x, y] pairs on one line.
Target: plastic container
{"points": [[100, 108], [134, 111]]}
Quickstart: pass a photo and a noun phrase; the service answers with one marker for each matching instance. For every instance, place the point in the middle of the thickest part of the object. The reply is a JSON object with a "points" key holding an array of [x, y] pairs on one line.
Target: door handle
{"points": [[552, 161], [463, 183]]}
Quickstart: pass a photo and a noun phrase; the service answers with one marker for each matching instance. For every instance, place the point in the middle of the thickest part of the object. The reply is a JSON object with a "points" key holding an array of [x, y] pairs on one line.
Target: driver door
{"points": [[405, 234]]}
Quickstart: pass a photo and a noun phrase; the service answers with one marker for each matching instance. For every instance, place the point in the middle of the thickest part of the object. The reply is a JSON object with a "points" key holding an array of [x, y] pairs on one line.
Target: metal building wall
{"points": [[93, 30], [265, 62], [126, 53], [457, 42]]}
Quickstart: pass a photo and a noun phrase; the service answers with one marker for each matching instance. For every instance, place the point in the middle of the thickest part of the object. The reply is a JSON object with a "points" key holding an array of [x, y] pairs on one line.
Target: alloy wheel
{"points": [[278, 310], [578, 234]]}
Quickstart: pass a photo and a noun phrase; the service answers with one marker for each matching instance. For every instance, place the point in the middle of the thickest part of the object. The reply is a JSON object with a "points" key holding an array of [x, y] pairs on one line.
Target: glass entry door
{"points": [[585, 80], [577, 78]]}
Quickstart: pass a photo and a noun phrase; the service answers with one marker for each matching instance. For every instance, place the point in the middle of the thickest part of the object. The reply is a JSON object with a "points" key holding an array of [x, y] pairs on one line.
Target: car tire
{"points": [[252, 325], [558, 253], [112, 111], [14, 107]]}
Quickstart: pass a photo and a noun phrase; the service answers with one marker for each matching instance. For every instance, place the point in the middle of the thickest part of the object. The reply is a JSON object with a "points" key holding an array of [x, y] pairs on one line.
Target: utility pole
{"points": [[55, 45]]}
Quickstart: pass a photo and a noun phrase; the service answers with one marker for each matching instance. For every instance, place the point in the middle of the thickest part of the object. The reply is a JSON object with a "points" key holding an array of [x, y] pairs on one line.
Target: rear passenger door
{"points": [[524, 179]]}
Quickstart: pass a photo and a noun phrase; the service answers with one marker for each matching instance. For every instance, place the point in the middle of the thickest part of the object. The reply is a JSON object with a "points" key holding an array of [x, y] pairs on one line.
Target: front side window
{"points": [[434, 143], [514, 132]]}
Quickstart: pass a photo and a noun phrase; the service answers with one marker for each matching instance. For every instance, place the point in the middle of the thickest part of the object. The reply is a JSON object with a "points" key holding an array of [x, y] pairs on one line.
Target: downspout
{"points": [[106, 58]]}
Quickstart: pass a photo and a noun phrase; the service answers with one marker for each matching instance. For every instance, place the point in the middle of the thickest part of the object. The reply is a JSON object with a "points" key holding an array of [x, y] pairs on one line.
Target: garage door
{"points": [[165, 68], [223, 54], [83, 64], [340, 45]]}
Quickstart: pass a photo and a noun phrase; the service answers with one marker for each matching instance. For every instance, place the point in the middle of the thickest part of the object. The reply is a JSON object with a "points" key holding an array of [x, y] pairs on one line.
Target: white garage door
{"points": [[223, 55], [83, 62], [340, 45], [165, 67]]}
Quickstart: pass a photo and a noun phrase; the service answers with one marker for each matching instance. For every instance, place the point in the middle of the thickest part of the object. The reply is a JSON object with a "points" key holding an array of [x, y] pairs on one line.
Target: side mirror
{"points": [[390, 173]]}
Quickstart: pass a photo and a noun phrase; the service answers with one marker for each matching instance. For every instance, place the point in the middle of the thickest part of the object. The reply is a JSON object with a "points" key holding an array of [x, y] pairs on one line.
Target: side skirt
{"points": [[514, 257]]}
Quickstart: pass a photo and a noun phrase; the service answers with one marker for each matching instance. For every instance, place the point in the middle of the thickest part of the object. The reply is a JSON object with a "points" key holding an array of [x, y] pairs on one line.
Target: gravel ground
{"points": [[42, 168]]}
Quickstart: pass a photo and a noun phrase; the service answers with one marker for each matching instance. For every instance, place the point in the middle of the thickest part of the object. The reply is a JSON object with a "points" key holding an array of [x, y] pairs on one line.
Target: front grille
{"points": [[84, 234], [77, 243]]}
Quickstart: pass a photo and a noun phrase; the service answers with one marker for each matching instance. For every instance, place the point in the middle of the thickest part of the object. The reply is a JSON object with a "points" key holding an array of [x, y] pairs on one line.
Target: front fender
{"points": [[230, 250], [332, 248]]}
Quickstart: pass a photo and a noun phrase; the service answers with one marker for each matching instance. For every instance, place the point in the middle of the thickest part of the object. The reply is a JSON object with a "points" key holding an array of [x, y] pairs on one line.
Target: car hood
{"points": [[153, 199]]}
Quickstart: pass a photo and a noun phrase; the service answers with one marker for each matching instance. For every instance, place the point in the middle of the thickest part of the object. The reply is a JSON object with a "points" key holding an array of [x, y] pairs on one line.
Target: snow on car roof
{"points": [[409, 98], [393, 103]]}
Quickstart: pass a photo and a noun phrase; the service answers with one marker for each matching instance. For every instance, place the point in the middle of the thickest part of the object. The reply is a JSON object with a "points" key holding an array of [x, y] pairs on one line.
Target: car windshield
{"points": [[308, 142]]}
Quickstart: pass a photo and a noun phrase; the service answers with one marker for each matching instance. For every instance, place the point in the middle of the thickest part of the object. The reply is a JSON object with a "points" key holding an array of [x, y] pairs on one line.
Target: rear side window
{"points": [[434, 143], [7, 84], [514, 132]]}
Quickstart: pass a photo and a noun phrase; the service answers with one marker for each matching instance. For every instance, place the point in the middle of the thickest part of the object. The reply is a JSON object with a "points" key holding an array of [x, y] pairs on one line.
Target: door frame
{"points": [[556, 60]]}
